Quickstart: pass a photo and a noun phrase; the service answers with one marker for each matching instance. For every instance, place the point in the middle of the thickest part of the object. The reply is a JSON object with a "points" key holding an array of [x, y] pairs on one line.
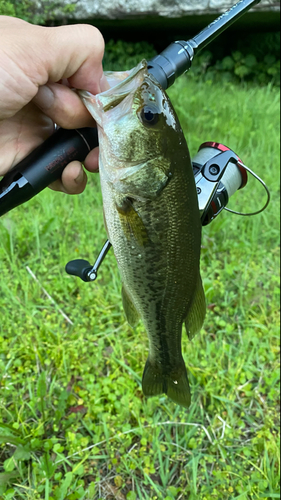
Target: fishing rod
{"points": [[46, 163]]}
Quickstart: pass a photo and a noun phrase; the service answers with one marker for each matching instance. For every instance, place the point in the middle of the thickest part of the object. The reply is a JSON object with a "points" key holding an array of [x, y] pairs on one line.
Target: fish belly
{"points": [[159, 273]]}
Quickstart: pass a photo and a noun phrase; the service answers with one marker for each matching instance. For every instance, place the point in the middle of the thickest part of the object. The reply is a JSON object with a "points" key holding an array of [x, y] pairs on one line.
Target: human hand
{"points": [[38, 65]]}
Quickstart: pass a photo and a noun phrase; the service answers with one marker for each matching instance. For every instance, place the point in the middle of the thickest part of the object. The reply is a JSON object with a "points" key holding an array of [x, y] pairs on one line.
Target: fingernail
{"points": [[44, 98], [80, 177]]}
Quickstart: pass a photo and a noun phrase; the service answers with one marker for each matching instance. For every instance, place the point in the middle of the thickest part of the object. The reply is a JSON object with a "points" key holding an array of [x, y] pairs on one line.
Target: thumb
{"points": [[31, 56]]}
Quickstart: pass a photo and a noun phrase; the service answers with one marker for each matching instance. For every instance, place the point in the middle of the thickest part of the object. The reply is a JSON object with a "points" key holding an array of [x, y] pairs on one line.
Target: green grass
{"points": [[74, 423]]}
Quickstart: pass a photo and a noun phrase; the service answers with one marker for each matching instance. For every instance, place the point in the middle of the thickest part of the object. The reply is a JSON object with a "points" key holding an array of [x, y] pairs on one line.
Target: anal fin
{"points": [[131, 313], [197, 311]]}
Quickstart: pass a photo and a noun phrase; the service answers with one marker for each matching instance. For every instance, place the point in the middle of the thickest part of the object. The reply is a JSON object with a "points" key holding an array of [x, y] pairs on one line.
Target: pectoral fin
{"points": [[131, 222], [197, 311], [145, 181], [129, 308]]}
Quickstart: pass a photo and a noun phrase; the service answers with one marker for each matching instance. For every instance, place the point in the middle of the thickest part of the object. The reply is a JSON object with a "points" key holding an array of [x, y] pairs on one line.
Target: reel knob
{"points": [[83, 269], [80, 268]]}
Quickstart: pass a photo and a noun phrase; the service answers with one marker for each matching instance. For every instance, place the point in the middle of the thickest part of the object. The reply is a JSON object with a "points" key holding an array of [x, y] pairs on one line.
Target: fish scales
{"points": [[152, 219]]}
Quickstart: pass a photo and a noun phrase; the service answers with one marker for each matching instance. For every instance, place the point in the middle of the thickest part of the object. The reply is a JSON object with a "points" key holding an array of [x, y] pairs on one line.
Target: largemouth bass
{"points": [[152, 220]]}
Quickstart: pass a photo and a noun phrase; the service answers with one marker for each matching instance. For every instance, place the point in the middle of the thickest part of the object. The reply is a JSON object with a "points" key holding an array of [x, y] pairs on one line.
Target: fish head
{"points": [[136, 123]]}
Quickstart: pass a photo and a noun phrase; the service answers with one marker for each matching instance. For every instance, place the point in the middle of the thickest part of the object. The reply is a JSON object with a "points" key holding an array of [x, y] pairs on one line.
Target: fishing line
{"points": [[264, 186]]}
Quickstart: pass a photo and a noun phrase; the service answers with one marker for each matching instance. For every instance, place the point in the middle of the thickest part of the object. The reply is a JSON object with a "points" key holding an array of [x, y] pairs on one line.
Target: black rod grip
{"points": [[44, 165]]}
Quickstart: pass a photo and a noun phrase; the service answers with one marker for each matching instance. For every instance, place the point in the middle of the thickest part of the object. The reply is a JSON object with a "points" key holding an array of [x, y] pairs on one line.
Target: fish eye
{"points": [[149, 115]]}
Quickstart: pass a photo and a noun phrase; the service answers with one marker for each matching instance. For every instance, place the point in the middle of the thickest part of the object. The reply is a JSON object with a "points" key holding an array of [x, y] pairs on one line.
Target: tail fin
{"points": [[176, 387]]}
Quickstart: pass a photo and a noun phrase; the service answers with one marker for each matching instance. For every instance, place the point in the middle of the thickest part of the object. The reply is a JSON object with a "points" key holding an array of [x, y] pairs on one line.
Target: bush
{"points": [[7, 9], [261, 66], [32, 12], [238, 67], [120, 55]]}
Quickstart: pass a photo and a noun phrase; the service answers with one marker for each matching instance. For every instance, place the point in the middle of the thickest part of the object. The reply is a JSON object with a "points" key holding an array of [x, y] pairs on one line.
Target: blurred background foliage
{"points": [[259, 63]]}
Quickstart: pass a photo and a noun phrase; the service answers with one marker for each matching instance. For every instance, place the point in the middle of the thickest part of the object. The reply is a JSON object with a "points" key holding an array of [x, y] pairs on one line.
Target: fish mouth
{"points": [[126, 77], [118, 92], [121, 84]]}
